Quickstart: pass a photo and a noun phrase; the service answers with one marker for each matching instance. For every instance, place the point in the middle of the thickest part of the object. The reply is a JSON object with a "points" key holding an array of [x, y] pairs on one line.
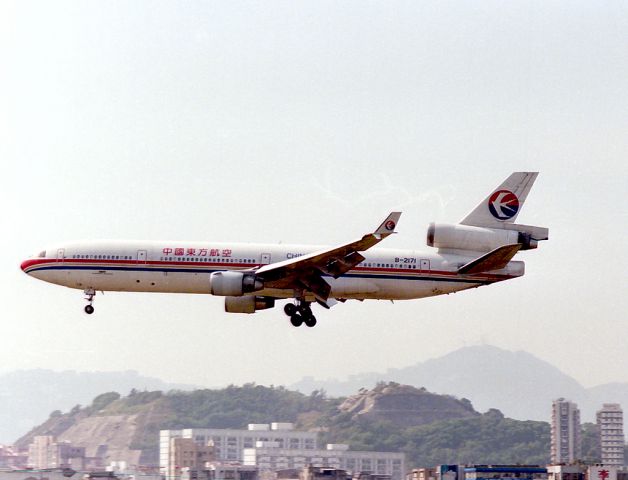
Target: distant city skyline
{"points": [[305, 123]]}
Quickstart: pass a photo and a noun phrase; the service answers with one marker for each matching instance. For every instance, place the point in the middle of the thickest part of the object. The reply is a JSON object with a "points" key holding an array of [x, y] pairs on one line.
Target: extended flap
{"points": [[493, 260]]}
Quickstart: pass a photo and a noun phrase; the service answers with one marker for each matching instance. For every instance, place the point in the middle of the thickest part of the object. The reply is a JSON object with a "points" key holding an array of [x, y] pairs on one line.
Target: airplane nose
{"points": [[29, 262], [25, 264]]}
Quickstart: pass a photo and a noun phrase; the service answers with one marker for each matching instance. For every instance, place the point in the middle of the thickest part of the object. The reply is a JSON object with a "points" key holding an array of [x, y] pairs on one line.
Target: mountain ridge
{"points": [[491, 377], [389, 417], [27, 397]]}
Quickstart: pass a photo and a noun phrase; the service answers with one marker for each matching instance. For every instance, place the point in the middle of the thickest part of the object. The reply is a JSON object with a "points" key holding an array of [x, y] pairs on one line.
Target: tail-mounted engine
{"points": [[234, 284], [484, 239], [248, 304]]}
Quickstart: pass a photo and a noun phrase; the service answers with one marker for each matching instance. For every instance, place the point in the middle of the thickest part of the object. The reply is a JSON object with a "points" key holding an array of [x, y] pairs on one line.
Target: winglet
{"points": [[388, 226]]}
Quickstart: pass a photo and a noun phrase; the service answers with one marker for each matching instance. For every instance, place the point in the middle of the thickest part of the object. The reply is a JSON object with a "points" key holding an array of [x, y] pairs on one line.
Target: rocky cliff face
{"points": [[405, 405], [127, 428], [130, 437]]}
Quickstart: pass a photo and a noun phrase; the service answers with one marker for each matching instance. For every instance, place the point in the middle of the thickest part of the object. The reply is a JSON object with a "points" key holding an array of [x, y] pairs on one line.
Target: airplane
{"points": [[475, 252]]}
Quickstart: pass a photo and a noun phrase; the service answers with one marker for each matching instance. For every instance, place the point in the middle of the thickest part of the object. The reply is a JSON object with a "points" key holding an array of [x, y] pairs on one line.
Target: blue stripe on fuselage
{"points": [[136, 268]]}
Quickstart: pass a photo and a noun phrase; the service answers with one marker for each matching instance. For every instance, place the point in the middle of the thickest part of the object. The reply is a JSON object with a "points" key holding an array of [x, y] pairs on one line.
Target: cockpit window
{"points": [[42, 254]]}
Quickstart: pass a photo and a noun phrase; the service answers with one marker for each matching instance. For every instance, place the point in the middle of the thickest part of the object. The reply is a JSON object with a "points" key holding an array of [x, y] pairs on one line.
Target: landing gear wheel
{"points": [[300, 313], [296, 320], [90, 293]]}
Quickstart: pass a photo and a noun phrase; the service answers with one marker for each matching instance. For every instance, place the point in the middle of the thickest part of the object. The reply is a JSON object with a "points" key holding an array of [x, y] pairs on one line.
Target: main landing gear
{"points": [[90, 293], [300, 313]]}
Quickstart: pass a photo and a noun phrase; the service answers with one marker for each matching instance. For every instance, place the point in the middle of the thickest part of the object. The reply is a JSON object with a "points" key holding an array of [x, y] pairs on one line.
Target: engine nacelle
{"points": [[478, 239], [234, 284], [248, 304]]}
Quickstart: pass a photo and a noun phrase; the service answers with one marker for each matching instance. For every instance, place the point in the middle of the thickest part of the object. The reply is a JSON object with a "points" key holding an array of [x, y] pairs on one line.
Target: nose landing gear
{"points": [[90, 293], [301, 313]]}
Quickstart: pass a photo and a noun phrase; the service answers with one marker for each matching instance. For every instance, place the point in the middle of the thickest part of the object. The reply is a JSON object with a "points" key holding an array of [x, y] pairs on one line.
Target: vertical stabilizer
{"points": [[504, 203]]}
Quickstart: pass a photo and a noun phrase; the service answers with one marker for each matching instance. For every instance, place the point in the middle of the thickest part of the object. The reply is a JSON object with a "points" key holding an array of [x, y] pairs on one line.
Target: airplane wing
{"points": [[306, 272], [493, 260]]}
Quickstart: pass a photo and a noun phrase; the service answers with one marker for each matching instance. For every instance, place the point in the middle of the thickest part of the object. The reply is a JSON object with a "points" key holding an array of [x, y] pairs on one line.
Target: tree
{"points": [[103, 400]]}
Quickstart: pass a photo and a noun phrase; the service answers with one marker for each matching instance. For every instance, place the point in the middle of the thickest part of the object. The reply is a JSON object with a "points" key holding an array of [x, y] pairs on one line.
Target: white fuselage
{"points": [[185, 267]]}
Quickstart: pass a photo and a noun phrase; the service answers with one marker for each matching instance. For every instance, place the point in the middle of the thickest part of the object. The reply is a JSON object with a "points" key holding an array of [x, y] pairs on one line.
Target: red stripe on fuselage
{"points": [[100, 264]]}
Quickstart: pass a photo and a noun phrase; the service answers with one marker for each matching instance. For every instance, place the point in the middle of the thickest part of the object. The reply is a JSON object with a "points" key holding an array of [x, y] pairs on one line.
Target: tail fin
{"points": [[504, 203], [490, 226]]}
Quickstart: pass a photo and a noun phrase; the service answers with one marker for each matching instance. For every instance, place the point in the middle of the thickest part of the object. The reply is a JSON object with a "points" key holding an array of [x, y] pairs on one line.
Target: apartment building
{"points": [[566, 445], [610, 421], [47, 452], [186, 455]]}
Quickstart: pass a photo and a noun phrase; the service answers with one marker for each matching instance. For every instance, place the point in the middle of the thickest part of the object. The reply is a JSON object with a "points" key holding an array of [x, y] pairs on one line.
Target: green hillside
{"points": [[487, 438]]}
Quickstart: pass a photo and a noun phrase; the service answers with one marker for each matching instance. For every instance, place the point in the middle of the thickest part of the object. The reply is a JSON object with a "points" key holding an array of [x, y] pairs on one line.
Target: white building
{"points": [[47, 452], [271, 458], [566, 445], [610, 421], [230, 443]]}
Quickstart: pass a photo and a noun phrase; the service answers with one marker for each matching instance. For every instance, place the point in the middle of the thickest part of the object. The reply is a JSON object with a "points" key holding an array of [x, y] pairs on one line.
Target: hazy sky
{"points": [[307, 122]]}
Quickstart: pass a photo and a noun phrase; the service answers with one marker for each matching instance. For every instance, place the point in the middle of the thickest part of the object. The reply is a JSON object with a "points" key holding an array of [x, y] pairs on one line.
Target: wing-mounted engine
{"points": [[234, 284], [248, 304], [484, 239]]}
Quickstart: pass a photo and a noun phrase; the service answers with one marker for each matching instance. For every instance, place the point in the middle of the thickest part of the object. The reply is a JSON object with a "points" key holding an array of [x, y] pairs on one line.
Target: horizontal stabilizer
{"points": [[493, 260]]}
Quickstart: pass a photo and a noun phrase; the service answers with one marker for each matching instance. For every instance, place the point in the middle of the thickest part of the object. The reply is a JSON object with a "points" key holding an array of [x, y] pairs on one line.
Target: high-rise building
{"points": [[566, 445], [610, 422]]}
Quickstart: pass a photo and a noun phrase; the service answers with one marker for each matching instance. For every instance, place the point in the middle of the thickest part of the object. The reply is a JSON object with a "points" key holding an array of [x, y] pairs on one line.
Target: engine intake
{"points": [[248, 304], [236, 284]]}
